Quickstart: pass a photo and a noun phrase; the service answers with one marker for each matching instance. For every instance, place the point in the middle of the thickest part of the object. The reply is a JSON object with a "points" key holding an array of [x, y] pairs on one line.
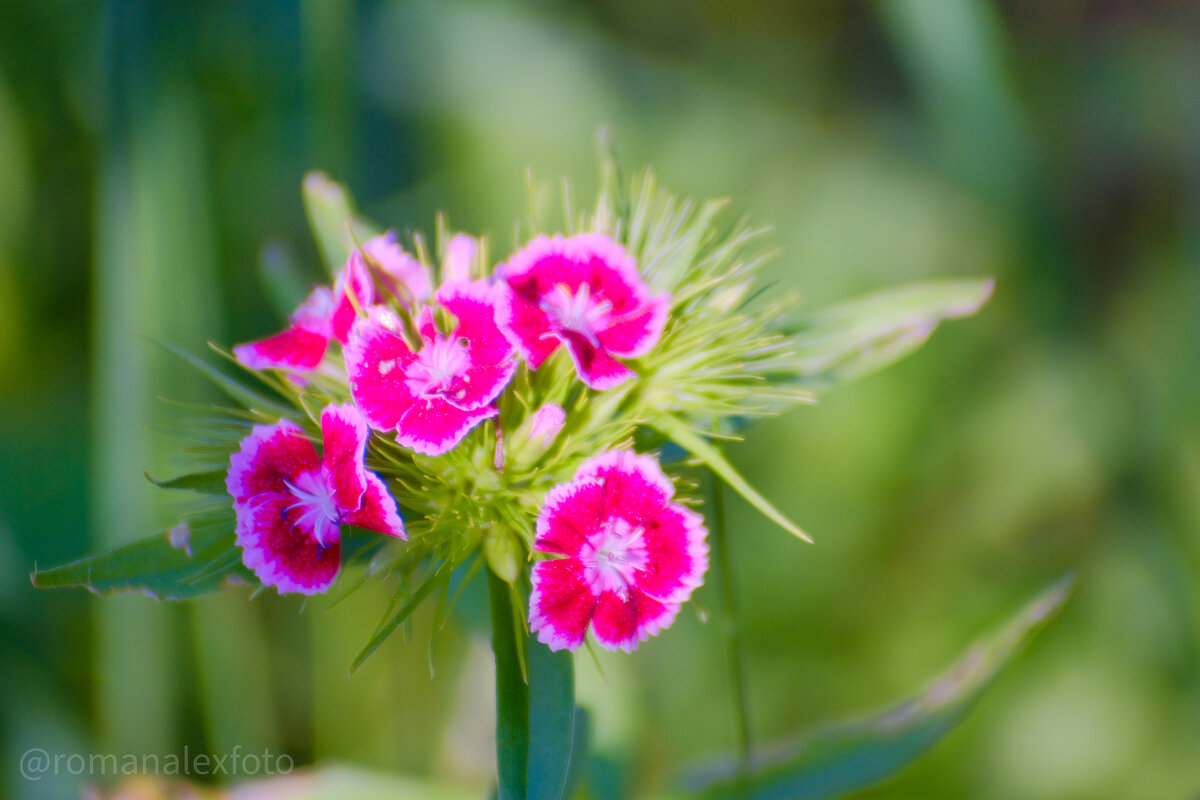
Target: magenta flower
{"points": [[585, 292], [290, 504], [631, 556], [432, 396], [326, 315], [404, 276]]}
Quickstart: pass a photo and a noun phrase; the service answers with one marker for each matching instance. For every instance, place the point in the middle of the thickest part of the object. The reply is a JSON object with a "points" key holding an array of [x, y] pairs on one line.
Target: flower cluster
{"points": [[408, 373]]}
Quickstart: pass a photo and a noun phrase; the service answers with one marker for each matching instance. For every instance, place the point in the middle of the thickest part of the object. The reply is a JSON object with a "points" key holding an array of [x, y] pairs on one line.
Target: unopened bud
{"points": [[459, 263], [536, 434], [503, 552]]}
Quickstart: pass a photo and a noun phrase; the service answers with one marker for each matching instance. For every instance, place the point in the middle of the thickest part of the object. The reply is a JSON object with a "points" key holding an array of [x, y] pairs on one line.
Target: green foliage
{"points": [[861, 336], [846, 756], [698, 446], [183, 562]]}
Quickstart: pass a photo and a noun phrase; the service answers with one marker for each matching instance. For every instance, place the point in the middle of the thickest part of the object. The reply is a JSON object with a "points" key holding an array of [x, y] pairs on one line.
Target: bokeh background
{"points": [[151, 155]]}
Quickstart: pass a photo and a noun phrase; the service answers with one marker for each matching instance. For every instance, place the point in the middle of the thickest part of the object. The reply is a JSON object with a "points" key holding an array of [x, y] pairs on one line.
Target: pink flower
{"points": [[432, 396], [290, 504], [631, 556], [404, 276], [326, 315], [585, 292]]}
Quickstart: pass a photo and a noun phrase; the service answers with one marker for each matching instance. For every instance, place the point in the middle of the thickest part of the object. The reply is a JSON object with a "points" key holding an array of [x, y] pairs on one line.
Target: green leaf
{"points": [[698, 446], [551, 721], [389, 623], [855, 338], [581, 746], [203, 482], [848, 756], [173, 565], [336, 227], [282, 279], [249, 398], [512, 696]]}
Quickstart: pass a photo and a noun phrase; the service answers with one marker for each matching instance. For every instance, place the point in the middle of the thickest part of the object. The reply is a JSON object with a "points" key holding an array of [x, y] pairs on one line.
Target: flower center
{"points": [[318, 512], [578, 311], [438, 363], [612, 556]]}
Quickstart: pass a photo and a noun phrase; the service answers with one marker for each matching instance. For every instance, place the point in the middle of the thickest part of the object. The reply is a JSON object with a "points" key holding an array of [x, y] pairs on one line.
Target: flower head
{"points": [[583, 291], [291, 504], [434, 395], [631, 557], [326, 315]]}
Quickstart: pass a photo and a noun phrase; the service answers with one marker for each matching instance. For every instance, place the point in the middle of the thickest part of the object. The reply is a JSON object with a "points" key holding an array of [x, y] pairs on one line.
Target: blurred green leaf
{"points": [[203, 482], [858, 337], [238, 391], [282, 279], [847, 756], [174, 565], [335, 225], [698, 446], [581, 747], [551, 721]]}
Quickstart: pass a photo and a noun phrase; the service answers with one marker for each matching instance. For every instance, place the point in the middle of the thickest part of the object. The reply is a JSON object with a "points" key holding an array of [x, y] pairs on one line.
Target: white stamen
{"points": [[612, 556], [576, 312]]}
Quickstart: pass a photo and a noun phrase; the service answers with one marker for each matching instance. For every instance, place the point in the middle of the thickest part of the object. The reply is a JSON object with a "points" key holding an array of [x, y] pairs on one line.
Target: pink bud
{"points": [[547, 421], [460, 259]]}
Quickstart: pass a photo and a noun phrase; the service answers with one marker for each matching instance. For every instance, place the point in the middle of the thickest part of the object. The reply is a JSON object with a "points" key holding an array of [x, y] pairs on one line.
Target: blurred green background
{"points": [[150, 162]]}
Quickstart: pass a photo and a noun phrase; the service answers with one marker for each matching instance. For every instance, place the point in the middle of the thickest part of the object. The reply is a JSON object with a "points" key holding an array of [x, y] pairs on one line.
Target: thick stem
{"points": [[535, 720], [733, 642]]}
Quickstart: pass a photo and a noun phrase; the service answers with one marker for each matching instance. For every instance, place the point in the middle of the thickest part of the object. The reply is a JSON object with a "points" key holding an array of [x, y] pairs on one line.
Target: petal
{"points": [[376, 359], [269, 458], [354, 282], [344, 436], [676, 555], [524, 324], [571, 512], [608, 269], [591, 258], [620, 623], [378, 512], [296, 348], [281, 553], [479, 386], [636, 488], [426, 325], [409, 277], [594, 365], [474, 306], [634, 334], [314, 313], [432, 426], [560, 604]]}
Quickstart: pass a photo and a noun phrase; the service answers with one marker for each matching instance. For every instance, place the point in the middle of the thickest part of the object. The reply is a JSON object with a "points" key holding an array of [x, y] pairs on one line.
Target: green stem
{"points": [[535, 704], [733, 642], [512, 696]]}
